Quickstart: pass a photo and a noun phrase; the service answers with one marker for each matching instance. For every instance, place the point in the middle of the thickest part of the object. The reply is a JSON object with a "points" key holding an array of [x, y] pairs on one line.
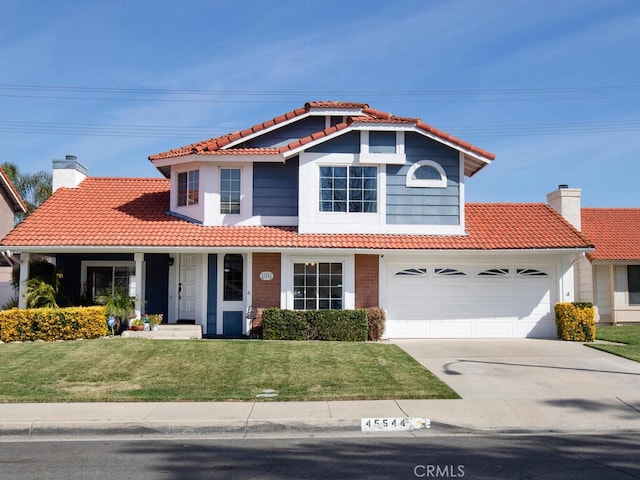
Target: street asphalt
{"points": [[508, 386]]}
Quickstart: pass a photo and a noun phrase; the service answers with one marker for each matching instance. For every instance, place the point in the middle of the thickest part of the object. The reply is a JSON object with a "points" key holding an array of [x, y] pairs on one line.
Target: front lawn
{"points": [[627, 334], [118, 370]]}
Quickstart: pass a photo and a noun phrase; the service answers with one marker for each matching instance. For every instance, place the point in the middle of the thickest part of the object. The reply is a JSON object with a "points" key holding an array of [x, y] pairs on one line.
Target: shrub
{"points": [[332, 325], [280, 324], [375, 320], [576, 321], [52, 323], [339, 325]]}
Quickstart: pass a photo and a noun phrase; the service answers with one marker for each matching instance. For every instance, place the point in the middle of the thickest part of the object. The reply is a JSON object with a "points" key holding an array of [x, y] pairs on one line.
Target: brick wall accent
{"points": [[266, 293], [367, 273]]}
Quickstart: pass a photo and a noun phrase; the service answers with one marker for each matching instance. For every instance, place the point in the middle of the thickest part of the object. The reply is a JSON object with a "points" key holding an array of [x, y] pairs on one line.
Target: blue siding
{"points": [[157, 283], [288, 133], [424, 206], [70, 266], [212, 293], [275, 189], [347, 143]]}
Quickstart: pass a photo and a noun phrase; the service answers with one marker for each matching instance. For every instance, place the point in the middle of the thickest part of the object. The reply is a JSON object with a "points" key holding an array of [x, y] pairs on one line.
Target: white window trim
{"points": [[348, 212], [188, 173], [246, 197], [85, 264], [348, 277], [365, 157], [426, 183], [195, 211]]}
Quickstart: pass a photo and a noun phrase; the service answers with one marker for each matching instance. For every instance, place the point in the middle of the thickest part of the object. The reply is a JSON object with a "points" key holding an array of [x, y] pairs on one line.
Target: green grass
{"points": [[627, 334], [118, 370]]}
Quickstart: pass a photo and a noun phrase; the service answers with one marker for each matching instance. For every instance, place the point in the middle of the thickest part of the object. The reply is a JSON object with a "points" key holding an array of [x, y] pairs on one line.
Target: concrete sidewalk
{"points": [[309, 418], [514, 386]]}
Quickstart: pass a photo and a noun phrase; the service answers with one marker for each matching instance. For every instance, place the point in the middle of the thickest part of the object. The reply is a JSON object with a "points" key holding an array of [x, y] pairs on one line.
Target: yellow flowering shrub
{"points": [[52, 324], [576, 321]]}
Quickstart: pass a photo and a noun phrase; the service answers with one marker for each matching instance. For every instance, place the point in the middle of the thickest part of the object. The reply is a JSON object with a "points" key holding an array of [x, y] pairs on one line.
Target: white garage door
{"points": [[470, 302]]}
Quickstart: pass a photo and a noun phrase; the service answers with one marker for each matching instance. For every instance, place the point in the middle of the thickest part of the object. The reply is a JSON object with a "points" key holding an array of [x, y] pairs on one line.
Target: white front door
{"points": [[187, 286], [232, 294]]}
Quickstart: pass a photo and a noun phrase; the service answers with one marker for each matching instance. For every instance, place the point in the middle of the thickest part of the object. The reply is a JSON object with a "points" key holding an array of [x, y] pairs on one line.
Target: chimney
{"points": [[68, 173], [566, 201]]}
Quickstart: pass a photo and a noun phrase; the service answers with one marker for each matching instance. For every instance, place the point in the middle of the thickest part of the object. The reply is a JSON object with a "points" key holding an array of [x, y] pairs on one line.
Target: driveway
{"points": [[530, 384], [526, 368]]}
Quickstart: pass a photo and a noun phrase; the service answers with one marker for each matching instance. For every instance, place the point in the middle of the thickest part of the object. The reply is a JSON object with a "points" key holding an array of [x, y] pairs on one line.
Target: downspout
{"points": [[7, 255]]}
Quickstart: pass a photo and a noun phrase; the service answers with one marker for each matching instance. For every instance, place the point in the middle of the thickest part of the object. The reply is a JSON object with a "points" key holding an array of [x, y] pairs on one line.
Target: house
{"points": [[609, 276], [613, 281], [333, 205], [11, 203]]}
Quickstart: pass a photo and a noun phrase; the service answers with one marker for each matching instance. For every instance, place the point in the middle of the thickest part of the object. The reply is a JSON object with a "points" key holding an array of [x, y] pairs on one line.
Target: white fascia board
{"points": [[242, 158], [219, 158], [338, 112], [265, 130], [452, 145], [13, 195], [171, 161], [383, 127], [314, 250], [306, 146]]}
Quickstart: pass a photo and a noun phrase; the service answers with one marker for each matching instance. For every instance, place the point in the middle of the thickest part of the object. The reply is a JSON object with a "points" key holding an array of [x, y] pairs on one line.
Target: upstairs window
{"points": [[230, 191], [426, 173], [349, 189], [382, 142], [188, 188]]}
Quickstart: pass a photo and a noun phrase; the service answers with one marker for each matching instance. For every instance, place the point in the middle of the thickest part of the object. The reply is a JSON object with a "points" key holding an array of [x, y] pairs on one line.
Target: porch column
{"points": [[24, 275], [139, 258]]}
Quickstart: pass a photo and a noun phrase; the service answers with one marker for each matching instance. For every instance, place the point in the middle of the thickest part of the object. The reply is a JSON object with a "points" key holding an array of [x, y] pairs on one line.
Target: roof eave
{"points": [[18, 203]]}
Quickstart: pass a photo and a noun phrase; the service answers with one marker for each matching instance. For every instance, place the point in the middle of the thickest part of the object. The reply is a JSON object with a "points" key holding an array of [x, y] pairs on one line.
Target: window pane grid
{"points": [[188, 188], [230, 191], [317, 286], [352, 189]]}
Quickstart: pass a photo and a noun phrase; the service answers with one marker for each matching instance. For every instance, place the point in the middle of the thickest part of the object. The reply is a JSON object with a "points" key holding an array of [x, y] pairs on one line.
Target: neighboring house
{"points": [[330, 206], [10, 204], [615, 275]]}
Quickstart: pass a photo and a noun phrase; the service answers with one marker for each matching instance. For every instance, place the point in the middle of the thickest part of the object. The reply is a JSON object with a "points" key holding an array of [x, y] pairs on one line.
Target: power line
{"points": [[62, 92], [200, 132], [167, 91]]}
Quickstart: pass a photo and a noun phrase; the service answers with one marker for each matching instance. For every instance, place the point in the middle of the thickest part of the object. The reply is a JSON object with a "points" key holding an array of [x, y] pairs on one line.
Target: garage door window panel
{"points": [[494, 272]]}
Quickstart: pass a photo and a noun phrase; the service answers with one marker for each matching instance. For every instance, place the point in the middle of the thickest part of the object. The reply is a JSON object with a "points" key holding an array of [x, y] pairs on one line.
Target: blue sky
{"points": [[551, 87]]}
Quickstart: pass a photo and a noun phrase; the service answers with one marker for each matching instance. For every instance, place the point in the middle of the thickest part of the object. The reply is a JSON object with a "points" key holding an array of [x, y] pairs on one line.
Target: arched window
{"points": [[426, 173]]}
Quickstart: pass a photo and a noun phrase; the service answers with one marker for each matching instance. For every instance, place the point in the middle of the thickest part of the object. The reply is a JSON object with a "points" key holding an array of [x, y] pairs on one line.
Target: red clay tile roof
{"points": [[130, 212], [615, 232], [368, 115]]}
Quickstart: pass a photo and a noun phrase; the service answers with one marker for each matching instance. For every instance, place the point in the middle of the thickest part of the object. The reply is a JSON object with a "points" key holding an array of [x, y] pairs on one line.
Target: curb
{"points": [[168, 429]]}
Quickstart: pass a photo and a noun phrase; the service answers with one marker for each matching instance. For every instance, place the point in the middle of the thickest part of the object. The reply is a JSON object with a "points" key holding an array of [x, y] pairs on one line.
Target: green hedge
{"points": [[332, 325], [52, 324], [576, 321]]}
